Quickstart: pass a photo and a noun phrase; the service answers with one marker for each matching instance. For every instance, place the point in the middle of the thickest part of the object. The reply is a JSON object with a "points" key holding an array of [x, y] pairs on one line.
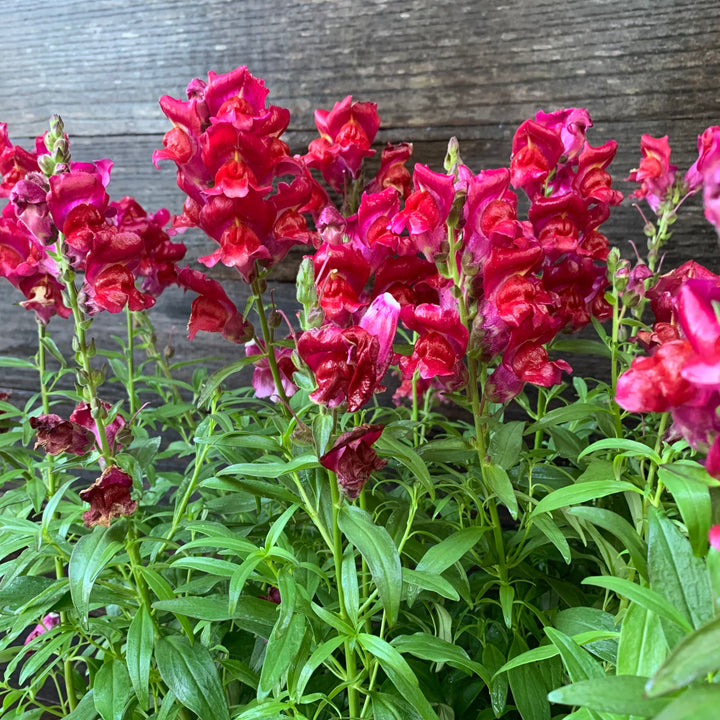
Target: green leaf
{"points": [[189, 671], [620, 528], [447, 552], [676, 573], [499, 482], [112, 689], [643, 596], [435, 649], [577, 622], [255, 615], [700, 703], [380, 553], [627, 448], [217, 378], [282, 646], [621, 694], [555, 535], [427, 581], [89, 558], [505, 444], [260, 488], [271, 469], [580, 493], [399, 673], [392, 707], [318, 657], [85, 709], [139, 653], [642, 647], [694, 656], [578, 662], [569, 413], [693, 501], [388, 446], [545, 652], [351, 589], [528, 688]]}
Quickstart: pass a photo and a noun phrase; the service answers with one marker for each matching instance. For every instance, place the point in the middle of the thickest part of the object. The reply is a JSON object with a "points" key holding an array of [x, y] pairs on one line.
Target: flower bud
{"points": [[46, 164], [452, 157], [274, 319]]}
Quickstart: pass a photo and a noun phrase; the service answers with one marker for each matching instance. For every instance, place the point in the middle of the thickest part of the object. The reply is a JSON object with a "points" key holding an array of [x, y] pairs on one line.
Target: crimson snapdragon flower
{"points": [[353, 459], [212, 310], [655, 173], [349, 363], [346, 135], [109, 497], [233, 166], [683, 375]]}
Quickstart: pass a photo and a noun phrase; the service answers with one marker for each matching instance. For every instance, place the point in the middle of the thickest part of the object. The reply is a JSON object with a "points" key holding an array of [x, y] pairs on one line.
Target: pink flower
{"points": [[714, 536], [572, 124], [696, 303], [353, 459], [392, 172], [441, 344], [655, 174], [109, 497], [655, 383], [263, 382], [47, 623], [16, 162], [708, 146], [340, 276]]}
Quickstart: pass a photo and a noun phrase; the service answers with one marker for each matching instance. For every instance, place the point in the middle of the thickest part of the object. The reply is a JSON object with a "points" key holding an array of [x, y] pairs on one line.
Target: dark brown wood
{"points": [[473, 69]]}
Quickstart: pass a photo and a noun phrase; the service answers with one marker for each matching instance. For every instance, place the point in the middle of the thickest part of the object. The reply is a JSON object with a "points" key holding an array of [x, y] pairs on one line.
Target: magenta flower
{"points": [[441, 343], [346, 135], [655, 174], [426, 211], [536, 150], [47, 623], [16, 162], [571, 124], [262, 381], [392, 172], [353, 459], [696, 303], [708, 146], [340, 276]]}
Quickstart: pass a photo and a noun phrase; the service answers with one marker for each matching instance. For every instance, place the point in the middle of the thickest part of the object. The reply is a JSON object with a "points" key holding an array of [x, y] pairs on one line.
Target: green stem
{"points": [[51, 486], [268, 339], [86, 375], [614, 352], [477, 405], [541, 407], [135, 564], [130, 361], [350, 665]]}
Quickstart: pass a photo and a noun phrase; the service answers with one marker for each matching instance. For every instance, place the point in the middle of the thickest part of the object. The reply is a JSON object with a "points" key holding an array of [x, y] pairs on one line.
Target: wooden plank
{"points": [[472, 69]]}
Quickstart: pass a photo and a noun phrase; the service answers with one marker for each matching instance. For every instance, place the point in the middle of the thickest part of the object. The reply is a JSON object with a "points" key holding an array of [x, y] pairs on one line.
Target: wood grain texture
{"points": [[473, 69]]}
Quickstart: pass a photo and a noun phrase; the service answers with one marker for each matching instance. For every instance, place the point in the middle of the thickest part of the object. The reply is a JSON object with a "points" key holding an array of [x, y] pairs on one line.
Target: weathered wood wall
{"points": [[474, 69]]}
